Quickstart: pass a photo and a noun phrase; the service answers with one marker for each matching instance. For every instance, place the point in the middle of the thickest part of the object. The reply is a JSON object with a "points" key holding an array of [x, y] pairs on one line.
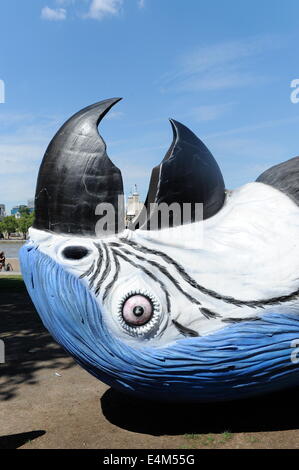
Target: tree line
{"points": [[10, 224]]}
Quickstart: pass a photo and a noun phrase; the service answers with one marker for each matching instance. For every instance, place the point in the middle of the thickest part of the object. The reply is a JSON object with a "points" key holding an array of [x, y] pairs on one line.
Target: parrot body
{"points": [[200, 311]]}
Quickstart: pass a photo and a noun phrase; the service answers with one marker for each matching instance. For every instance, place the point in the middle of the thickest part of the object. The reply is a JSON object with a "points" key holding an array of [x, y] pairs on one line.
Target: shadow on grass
{"points": [[11, 284], [28, 345], [275, 412], [14, 441]]}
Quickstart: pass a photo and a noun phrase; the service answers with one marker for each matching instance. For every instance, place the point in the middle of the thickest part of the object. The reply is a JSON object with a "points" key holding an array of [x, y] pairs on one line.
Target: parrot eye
{"points": [[139, 313], [137, 310], [75, 252]]}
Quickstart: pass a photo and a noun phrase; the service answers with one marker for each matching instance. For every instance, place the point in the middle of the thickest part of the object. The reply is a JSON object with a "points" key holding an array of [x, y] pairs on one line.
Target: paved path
{"points": [[10, 273]]}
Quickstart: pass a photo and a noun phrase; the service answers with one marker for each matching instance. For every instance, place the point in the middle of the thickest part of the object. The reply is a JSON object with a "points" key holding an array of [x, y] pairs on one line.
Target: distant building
{"points": [[14, 210], [30, 204], [134, 206], [17, 210], [2, 211]]}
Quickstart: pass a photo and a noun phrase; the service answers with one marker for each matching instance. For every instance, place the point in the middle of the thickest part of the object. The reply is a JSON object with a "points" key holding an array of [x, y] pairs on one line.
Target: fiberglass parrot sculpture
{"points": [[200, 311]]}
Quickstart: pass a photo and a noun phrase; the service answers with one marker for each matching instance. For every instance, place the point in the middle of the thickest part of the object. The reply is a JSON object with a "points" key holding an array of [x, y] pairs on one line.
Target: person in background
{"points": [[2, 260]]}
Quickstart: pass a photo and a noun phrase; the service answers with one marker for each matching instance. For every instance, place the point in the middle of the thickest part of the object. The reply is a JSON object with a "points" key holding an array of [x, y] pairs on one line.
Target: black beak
{"points": [[76, 175]]}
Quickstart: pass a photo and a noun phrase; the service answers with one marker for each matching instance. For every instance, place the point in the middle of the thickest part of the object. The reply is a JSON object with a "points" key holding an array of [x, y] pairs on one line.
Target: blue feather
{"points": [[237, 361]]}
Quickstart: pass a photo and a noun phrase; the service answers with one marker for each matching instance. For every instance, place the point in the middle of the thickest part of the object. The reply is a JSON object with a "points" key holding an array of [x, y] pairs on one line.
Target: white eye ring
{"points": [[151, 325]]}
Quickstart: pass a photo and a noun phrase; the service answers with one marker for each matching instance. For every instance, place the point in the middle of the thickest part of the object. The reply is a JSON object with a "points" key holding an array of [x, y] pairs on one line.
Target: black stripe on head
{"points": [[117, 270], [205, 312], [89, 271], [239, 320], [164, 271], [181, 271], [209, 314], [99, 265], [105, 272], [184, 330], [231, 300], [148, 273]]}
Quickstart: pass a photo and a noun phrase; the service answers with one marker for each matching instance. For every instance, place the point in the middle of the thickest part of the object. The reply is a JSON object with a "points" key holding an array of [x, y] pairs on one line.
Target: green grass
{"points": [[252, 439], [11, 284], [226, 436], [191, 436], [15, 277], [201, 439], [207, 440]]}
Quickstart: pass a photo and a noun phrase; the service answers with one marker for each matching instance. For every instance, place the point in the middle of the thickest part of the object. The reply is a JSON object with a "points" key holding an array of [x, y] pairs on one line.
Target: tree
{"points": [[24, 210], [8, 224], [24, 223], [2, 231]]}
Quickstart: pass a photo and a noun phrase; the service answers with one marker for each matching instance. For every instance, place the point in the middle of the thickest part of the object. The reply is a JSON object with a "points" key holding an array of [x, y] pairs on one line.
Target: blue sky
{"points": [[222, 68]]}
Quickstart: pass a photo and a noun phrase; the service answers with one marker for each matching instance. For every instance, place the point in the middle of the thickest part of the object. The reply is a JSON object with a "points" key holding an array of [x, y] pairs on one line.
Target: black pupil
{"points": [[75, 252], [138, 311]]}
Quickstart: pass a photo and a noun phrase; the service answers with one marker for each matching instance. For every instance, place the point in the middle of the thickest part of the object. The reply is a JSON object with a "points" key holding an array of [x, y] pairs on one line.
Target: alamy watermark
{"points": [[2, 352], [154, 217], [295, 93], [295, 352], [2, 91]]}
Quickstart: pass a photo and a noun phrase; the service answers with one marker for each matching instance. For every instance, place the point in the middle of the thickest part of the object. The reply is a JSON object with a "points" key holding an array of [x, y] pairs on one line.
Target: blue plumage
{"points": [[239, 360]]}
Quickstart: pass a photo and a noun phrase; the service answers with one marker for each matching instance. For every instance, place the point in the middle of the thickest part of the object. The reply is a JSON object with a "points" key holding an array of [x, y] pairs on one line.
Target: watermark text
{"points": [[2, 352], [2, 91], [153, 217], [295, 352], [295, 93]]}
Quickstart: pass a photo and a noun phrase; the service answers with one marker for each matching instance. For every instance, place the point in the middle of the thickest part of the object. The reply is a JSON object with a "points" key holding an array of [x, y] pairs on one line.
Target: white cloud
{"points": [[100, 8], [65, 2], [114, 115], [23, 141], [218, 80], [256, 127], [96, 9], [207, 57], [19, 168], [57, 14], [210, 112], [219, 66], [141, 3]]}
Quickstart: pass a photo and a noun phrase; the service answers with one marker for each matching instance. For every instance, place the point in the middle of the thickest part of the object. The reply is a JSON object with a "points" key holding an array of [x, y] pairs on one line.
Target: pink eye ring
{"points": [[137, 310]]}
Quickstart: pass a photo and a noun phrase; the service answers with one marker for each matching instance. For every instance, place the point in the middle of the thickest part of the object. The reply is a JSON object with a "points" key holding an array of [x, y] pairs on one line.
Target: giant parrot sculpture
{"points": [[202, 310]]}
